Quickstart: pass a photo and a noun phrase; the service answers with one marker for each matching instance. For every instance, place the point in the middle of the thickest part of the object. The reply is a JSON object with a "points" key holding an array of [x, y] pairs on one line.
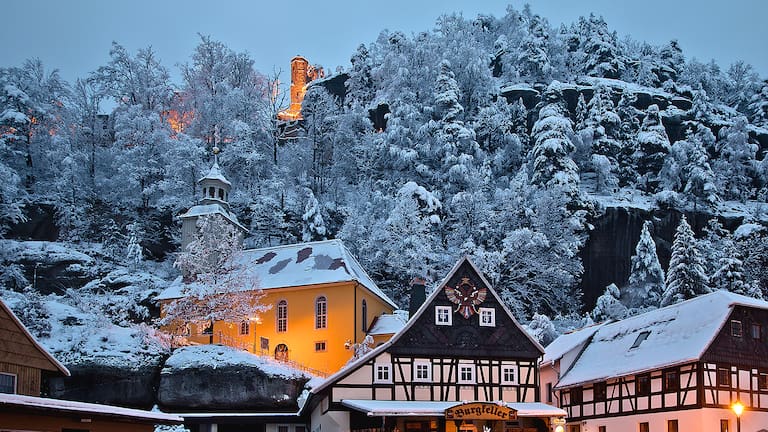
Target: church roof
{"points": [[215, 174], [664, 337], [210, 209], [300, 264]]}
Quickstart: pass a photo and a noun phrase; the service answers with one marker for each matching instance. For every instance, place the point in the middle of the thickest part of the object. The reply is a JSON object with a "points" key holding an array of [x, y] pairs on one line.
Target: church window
{"points": [[210, 192], [321, 313], [221, 194], [245, 327], [282, 316]]}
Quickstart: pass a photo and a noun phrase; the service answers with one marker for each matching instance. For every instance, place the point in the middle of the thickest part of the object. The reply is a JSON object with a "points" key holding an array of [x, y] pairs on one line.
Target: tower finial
{"points": [[216, 152]]}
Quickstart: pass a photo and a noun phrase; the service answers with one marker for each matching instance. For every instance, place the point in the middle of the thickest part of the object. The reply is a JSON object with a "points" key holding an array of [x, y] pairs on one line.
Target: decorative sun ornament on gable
{"points": [[466, 296]]}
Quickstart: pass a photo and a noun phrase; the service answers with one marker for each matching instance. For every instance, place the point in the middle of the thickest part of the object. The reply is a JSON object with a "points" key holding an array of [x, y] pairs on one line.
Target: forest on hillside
{"points": [[505, 139]]}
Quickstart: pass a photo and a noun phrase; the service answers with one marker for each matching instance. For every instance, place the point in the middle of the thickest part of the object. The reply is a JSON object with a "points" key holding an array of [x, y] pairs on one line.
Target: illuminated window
{"points": [[282, 316], [487, 317], [643, 385], [443, 315], [723, 377], [321, 313], [320, 346], [601, 429], [600, 391], [245, 327], [365, 315], [466, 374], [7, 383], [509, 375], [736, 328], [422, 371], [383, 373]]}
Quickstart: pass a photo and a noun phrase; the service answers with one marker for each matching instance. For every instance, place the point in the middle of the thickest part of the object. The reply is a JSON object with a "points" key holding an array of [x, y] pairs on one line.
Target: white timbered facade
{"points": [[679, 368], [461, 363]]}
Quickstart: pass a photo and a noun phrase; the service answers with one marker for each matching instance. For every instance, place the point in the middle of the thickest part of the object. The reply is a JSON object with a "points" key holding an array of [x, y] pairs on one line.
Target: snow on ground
{"points": [[41, 251], [215, 356]]}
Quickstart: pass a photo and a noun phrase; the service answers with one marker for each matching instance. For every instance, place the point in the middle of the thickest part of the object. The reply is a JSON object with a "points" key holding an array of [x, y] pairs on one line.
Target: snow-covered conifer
{"points": [[608, 305], [686, 277], [646, 278], [313, 227], [542, 329], [652, 147], [730, 274]]}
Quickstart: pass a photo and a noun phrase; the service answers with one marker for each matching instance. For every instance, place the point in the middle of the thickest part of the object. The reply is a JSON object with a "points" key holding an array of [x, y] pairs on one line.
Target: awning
{"points": [[383, 408]]}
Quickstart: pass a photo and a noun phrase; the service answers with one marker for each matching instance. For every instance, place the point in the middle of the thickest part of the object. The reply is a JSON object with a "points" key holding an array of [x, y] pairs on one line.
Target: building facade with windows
{"points": [[461, 363], [322, 305], [678, 368]]}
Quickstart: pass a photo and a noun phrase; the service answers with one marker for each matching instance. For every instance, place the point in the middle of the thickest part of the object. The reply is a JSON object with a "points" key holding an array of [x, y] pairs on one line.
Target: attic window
{"points": [[7, 383], [640, 338], [736, 328]]}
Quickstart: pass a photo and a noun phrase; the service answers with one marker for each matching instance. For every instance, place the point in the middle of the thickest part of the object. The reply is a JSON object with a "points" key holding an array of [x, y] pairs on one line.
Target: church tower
{"points": [[215, 200]]}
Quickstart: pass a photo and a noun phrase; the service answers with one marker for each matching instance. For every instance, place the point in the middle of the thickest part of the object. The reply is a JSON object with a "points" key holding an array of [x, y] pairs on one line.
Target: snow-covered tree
{"points": [[652, 147], [608, 305], [218, 285], [758, 106], [735, 169], [646, 278], [533, 60], [313, 228], [542, 329], [593, 49], [33, 312], [686, 277], [730, 275]]}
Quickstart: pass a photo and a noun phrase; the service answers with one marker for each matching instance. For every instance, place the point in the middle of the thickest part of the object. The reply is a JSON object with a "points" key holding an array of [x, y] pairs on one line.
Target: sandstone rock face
{"points": [[227, 388], [108, 385]]}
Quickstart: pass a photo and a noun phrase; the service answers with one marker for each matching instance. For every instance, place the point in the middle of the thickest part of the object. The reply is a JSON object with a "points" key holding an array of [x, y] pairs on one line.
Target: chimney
{"points": [[418, 295]]}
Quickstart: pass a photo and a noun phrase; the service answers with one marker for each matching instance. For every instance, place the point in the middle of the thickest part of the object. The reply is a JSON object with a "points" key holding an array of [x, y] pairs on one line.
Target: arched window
{"points": [[210, 192], [365, 315], [221, 194], [321, 312], [281, 352], [245, 327], [282, 316]]}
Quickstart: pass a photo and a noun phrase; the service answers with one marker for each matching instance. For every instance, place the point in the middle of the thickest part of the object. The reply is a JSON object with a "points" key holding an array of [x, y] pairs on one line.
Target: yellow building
{"points": [[322, 304]]}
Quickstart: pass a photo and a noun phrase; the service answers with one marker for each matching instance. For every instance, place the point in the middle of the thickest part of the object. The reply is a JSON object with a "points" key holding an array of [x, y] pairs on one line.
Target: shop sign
{"points": [[480, 411]]}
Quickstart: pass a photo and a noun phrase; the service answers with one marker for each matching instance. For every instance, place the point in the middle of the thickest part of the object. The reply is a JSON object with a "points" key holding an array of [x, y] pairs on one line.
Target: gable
{"points": [[18, 347], [465, 291], [750, 348]]}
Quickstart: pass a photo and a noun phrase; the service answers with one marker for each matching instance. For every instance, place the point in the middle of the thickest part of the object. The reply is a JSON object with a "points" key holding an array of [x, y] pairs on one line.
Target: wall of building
{"points": [[344, 324], [27, 378], [699, 420]]}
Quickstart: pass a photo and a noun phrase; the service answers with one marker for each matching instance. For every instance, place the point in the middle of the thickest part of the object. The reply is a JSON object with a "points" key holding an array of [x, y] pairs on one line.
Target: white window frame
{"points": [[464, 367], [515, 372], [383, 367], [15, 381], [282, 316], [491, 312], [321, 313], [447, 311], [423, 363]]}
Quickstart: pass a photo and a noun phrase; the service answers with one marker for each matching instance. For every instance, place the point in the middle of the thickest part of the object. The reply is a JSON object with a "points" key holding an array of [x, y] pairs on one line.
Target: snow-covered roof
{"points": [[216, 356], [34, 341], [566, 342], [70, 407], [300, 264], [215, 174], [677, 334], [381, 408], [210, 209], [387, 324]]}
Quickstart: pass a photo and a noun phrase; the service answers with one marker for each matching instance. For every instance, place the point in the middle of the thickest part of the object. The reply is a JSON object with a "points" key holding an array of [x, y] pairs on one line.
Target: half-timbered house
{"points": [[462, 362], [678, 368]]}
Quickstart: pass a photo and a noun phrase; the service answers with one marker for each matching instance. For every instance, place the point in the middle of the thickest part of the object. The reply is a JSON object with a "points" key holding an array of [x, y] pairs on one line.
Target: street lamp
{"points": [[738, 408]]}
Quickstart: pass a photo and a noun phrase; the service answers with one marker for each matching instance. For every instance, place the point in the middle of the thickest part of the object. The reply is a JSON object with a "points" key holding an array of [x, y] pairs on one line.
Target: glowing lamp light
{"points": [[737, 408], [559, 428]]}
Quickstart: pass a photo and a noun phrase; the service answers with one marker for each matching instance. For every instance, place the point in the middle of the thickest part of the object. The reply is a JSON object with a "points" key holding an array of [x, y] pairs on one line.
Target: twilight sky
{"points": [[75, 36]]}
